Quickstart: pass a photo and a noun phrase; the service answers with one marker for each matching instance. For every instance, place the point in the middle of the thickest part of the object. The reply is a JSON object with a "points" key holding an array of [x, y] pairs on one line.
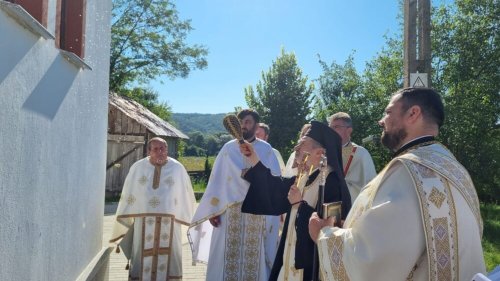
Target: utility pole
{"points": [[417, 43]]}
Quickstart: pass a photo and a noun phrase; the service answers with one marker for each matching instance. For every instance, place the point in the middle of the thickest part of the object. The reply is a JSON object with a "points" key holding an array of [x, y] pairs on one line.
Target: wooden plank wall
{"points": [[118, 146], [121, 124], [124, 134]]}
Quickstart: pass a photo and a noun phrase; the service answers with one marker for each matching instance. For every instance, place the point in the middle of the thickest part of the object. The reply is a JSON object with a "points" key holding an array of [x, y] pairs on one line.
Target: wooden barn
{"points": [[130, 126]]}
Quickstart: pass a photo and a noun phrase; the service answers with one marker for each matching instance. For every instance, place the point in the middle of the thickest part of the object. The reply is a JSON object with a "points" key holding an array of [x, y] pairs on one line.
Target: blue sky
{"points": [[245, 37]]}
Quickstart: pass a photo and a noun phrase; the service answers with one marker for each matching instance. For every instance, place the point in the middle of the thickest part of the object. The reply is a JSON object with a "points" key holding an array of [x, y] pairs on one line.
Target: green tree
{"points": [[282, 99], [337, 87], [148, 39], [364, 96], [149, 99], [466, 52]]}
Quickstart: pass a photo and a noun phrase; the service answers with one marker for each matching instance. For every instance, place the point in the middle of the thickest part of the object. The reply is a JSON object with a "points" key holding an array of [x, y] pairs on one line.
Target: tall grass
{"points": [[491, 235], [199, 185], [195, 163]]}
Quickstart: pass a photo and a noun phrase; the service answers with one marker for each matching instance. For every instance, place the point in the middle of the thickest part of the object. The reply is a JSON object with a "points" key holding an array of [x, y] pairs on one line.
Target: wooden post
{"points": [[417, 43]]}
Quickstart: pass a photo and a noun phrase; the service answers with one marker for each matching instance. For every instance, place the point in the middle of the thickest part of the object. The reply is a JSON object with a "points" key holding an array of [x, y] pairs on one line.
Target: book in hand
{"points": [[332, 209]]}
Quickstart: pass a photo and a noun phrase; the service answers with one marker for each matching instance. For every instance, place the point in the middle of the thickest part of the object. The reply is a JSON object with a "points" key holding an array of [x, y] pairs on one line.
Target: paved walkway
{"points": [[118, 262]]}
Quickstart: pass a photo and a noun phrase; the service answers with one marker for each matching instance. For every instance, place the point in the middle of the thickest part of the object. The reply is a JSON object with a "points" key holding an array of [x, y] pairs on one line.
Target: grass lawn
{"points": [[194, 163], [491, 235]]}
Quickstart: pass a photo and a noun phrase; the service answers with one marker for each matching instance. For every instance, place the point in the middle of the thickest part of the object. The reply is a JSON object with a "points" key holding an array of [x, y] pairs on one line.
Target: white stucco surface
{"points": [[53, 124]]}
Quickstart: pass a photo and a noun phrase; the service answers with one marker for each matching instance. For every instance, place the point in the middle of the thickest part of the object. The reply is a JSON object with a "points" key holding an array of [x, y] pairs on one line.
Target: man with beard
{"points": [[236, 246], [273, 195], [419, 218]]}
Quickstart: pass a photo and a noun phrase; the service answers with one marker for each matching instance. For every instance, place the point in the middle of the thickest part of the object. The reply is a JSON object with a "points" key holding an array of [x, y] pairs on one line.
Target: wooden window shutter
{"points": [[71, 29], [36, 8]]}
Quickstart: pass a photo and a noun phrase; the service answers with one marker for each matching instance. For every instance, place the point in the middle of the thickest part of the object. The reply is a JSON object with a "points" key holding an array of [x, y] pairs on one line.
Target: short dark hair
{"points": [[243, 113], [427, 99]]}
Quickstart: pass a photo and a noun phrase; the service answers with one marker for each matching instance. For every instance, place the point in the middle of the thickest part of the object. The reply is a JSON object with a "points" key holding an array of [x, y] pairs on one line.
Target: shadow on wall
{"points": [[13, 48], [50, 92]]}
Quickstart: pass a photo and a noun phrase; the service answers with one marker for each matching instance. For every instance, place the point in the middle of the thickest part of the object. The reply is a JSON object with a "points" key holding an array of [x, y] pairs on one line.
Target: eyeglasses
{"points": [[339, 126]]}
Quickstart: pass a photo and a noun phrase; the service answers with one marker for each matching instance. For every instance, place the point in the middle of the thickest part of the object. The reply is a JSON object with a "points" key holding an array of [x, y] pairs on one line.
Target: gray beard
{"points": [[393, 140]]}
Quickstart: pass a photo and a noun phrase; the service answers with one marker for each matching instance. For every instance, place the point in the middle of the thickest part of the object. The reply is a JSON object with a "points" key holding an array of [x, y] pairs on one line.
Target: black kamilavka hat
{"points": [[331, 142]]}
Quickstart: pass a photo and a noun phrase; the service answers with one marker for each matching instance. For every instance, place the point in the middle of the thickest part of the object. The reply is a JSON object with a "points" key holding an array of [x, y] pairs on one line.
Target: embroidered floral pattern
{"points": [[162, 267], [426, 172], [450, 168], [214, 201], [233, 242], [442, 246], [165, 237], [169, 181], [252, 242], [143, 180], [336, 248], [131, 199], [154, 202], [440, 231], [436, 197]]}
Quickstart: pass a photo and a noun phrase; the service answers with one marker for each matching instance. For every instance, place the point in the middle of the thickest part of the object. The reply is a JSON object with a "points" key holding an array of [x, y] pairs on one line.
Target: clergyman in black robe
{"points": [[271, 195]]}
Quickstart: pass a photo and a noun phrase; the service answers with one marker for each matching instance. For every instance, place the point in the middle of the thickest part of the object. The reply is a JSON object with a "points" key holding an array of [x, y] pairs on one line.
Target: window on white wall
{"points": [[70, 26], [36, 8]]}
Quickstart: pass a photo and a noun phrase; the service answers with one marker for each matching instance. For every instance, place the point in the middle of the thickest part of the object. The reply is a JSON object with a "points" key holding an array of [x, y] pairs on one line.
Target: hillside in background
{"points": [[204, 123]]}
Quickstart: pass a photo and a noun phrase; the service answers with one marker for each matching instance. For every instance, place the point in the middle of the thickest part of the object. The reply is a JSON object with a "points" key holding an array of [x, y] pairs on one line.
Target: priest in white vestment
{"points": [[157, 198], [357, 161], [419, 218], [235, 246]]}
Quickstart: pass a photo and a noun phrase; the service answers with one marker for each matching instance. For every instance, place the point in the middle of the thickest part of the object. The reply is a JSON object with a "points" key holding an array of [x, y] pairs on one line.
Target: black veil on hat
{"points": [[331, 142]]}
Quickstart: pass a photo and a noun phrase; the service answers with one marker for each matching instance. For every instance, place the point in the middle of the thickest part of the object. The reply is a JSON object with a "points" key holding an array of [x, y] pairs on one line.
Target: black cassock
{"points": [[267, 195]]}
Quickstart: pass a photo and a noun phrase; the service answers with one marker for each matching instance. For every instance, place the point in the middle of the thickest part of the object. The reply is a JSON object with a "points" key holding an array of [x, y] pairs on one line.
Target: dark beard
{"points": [[249, 135], [393, 140]]}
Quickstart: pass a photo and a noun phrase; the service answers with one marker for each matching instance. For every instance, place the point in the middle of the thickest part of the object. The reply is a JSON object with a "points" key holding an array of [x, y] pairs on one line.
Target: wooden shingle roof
{"points": [[143, 116]]}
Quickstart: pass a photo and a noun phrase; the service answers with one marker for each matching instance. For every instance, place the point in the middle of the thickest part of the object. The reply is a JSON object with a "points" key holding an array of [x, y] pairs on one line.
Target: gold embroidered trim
{"points": [[452, 170], [242, 245], [440, 232], [454, 226], [436, 197], [442, 246], [336, 247], [233, 241]]}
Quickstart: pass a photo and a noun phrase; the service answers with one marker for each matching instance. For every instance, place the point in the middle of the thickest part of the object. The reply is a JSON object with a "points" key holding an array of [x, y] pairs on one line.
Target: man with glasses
{"points": [[157, 198], [357, 163]]}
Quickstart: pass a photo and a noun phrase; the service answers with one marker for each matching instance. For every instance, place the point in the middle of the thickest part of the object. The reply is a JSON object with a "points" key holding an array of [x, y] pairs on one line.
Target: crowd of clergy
{"points": [[417, 219]]}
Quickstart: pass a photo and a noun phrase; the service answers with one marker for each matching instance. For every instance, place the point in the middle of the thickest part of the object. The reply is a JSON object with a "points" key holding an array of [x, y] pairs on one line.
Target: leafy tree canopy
{"points": [[148, 39], [282, 99]]}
